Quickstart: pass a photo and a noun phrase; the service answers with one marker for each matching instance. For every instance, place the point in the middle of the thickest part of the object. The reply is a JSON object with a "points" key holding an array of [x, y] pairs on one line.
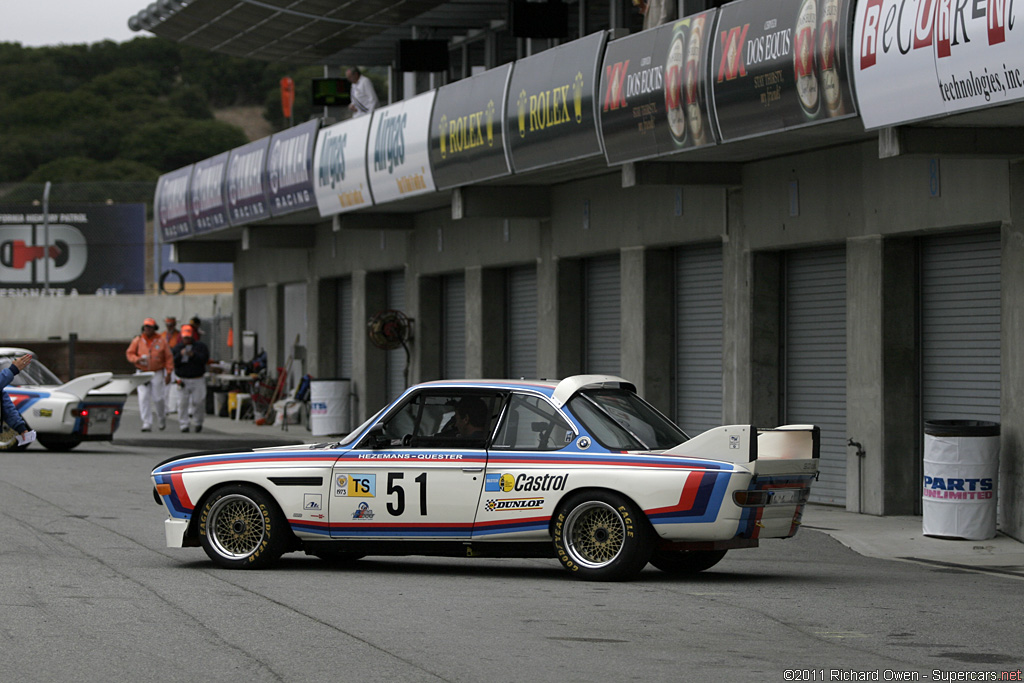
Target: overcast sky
{"points": [[51, 22]]}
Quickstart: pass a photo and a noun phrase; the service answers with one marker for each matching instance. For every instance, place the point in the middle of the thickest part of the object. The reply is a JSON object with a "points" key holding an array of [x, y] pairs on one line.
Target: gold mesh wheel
{"points": [[236, 526], [594, 534]]}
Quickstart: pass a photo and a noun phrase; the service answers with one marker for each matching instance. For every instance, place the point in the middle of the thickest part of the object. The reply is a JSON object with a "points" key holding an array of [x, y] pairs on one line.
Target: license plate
{"points": [[787, 496], [101, 421]]}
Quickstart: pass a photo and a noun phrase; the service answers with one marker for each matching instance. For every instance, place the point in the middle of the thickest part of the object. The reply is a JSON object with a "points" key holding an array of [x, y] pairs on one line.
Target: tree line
{"points": [[127, 111]]}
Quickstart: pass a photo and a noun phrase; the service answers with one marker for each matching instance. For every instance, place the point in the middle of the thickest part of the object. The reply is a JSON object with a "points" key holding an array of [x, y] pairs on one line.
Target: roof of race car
{"points": [[558, 391]]}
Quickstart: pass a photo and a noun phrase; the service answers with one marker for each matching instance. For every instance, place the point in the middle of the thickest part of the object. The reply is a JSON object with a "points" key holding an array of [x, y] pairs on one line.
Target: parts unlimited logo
{"points": [[23, 254]]}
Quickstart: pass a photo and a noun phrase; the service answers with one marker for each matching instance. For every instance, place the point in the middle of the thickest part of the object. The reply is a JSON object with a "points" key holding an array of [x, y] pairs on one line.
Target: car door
{"points": [[416, 476]]}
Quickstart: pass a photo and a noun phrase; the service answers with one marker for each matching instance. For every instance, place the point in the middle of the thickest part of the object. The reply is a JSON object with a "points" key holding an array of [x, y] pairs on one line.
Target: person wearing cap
{"points": [[172, 336], [190, 358], [148, 352]]}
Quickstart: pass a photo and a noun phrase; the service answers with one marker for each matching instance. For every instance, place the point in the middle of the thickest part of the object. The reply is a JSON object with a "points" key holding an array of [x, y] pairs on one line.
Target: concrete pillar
{"points": [[559, 311], [1011, 456], [880, 377], [647, 330], [485, 322], [369, 295]]}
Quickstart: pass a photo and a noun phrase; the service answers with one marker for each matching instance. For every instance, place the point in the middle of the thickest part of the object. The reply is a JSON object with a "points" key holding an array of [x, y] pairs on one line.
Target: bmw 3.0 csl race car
{"points": [[582, 470], [64, 414]]}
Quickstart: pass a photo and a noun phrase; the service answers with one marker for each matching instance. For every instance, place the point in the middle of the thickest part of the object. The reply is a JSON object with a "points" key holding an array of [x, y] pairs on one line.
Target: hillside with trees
{"points": [[127, 111]]}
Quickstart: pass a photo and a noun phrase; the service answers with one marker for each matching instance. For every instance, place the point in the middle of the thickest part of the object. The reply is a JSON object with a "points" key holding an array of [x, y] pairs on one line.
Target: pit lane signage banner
{"points": [[289, 171], [245, 180], [92, 249], [467, 142], [170, 202], [780, 64], [340, 167], [207, 208], [550, 115], [920, 59], [654, 91], [398, 157]]}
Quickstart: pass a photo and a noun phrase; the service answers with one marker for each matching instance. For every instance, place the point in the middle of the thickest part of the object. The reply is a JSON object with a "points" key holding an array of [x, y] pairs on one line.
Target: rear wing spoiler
{"points": [[738, 445]]}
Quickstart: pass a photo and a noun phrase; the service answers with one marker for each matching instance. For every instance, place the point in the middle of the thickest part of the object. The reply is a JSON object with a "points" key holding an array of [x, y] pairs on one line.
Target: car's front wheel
{"points": [[241, 527], [602, 536], [686, 561]]}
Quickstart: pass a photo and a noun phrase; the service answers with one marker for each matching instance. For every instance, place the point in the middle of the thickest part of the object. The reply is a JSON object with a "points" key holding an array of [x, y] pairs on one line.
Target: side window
{"points": [[532, 424], [448, 419]]}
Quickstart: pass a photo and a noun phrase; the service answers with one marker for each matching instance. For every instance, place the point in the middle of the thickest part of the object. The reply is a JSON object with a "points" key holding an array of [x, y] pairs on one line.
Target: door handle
{"points": [[472, 469]]}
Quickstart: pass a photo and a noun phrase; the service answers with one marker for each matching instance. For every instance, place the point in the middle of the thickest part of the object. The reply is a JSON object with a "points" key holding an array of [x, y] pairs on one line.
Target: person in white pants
{"points": [[190, 359], [148, 352]]}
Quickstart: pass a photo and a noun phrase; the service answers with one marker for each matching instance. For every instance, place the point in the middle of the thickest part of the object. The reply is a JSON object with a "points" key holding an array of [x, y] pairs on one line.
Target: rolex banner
{"points": [[653, 92], [549, 115], [466, 140], [780, 64]]}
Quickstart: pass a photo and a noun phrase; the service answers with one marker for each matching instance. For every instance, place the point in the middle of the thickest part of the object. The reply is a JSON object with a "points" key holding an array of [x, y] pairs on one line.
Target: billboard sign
{"points": [[340, 165], [780, 64], [653, 91], [550, 115], [171, 210], [398, 156], [467, 143], [207, 207], [247, 193], [92, 249], [920, 59], [289, 170]]}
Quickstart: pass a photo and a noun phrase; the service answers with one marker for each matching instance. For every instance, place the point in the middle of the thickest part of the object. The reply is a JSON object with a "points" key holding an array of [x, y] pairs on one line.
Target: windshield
{"points": [[622, 421], [34, 375]]}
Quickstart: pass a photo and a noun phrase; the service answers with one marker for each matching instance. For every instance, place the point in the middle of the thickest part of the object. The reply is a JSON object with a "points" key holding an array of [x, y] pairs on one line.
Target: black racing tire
{"points": [[602, 536], [58, 443], [241, 527], [681, 562]]}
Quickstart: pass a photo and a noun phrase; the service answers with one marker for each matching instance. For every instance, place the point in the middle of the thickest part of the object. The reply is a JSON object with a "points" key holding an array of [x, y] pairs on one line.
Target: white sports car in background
{"points": [[64, 414], [581, 470]]}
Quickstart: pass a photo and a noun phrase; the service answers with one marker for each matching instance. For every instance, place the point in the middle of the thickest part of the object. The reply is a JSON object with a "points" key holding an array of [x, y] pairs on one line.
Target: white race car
{"points": [[582, 470], [88, 408]]}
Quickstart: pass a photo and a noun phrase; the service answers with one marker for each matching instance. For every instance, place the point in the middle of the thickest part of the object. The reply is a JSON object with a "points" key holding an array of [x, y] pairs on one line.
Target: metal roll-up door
{"points": [[295, 330], [698, 375], [521, 309], [960, 327], [345, 328], [396, 359], [453, 337], [602, 328], [814, 340]]}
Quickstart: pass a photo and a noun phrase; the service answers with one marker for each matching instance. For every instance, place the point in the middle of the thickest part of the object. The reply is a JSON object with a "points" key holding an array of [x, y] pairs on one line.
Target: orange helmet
{"points": [[149, 322], [188, 331]]}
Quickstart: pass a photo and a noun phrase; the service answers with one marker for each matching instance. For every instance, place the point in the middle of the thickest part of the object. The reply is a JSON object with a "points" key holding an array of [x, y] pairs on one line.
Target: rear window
{"points": [[34, 375]]}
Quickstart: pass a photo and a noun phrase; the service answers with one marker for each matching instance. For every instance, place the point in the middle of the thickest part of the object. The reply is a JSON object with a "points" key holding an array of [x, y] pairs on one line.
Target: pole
{"points": [[46, 238]]}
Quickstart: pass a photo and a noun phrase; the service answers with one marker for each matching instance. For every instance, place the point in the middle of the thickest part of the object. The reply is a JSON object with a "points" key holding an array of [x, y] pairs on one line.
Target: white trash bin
{"points": [[329, 406], [961, 470]]}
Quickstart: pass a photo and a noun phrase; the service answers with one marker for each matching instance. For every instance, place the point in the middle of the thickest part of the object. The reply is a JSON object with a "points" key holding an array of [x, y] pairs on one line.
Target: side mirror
{"points": [[375, 438]]}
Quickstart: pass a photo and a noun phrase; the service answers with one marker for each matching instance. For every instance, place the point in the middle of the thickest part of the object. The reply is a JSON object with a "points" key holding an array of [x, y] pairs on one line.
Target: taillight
{"points": [[79, 412], [750, 498]]}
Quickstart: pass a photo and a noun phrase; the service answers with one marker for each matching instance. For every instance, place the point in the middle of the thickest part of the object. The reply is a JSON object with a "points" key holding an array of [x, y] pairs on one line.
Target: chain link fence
{"points": [[93, 192]]}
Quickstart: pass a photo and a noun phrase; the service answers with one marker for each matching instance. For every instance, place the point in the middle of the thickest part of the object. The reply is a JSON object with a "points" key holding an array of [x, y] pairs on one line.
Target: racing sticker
{"points": [[355, 485], [513, 505], [363, 511], [313, 502], [525, 482]]}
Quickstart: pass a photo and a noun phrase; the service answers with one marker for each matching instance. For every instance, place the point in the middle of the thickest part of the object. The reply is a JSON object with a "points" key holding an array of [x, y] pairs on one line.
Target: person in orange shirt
{"points": [[148, 352]]}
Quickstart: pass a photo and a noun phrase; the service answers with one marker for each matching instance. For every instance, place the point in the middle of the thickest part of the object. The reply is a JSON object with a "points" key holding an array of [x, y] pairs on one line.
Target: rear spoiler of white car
{"points": [[733, 443], [104, 383]]}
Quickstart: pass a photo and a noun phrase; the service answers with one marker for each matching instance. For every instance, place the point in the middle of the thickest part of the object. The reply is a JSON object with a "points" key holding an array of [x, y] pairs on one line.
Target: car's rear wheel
{"points": [[241, 527], [686, 561], [602, 536], [59, 443]]}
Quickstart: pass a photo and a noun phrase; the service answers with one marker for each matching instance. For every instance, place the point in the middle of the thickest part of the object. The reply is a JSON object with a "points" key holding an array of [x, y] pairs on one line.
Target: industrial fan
{"points": [[390, 329]]}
